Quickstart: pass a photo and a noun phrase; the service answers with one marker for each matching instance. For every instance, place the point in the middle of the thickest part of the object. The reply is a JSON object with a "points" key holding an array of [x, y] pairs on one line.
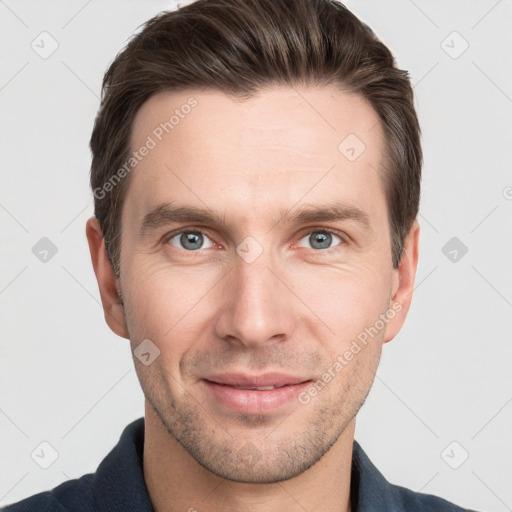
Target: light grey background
{"points": [[67, 380]]}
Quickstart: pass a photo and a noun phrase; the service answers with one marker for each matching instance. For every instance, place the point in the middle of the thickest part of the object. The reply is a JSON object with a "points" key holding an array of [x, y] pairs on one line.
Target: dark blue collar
{"points": [[120, 480]]}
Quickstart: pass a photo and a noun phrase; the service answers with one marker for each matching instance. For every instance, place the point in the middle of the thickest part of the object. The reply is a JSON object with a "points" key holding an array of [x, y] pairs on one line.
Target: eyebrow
{"points": [[167, 213]]}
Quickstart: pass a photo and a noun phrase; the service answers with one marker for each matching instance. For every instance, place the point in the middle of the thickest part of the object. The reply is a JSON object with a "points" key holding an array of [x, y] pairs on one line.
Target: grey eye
{"points": [[319, 239], [190, 240]]}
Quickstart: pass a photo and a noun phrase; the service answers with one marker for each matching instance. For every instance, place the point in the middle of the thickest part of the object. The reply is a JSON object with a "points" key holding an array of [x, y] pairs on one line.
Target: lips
{"points": [[253, 394], [262, 382], [258, 388]]}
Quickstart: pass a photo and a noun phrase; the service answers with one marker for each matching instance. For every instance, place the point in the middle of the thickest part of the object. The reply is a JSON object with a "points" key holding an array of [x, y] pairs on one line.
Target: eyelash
{"points": [[341, 236]]}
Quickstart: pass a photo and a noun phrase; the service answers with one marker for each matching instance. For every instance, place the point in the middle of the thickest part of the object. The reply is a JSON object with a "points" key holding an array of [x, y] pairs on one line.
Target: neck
{"points": [[175, 480]]}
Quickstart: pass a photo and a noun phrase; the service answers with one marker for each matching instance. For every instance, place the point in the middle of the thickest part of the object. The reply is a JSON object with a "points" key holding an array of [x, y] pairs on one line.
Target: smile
{"points": [[253, 394]]}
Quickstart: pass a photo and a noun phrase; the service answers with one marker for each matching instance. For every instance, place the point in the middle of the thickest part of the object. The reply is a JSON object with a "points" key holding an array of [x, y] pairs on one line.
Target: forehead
{"points": [[284, 143]]}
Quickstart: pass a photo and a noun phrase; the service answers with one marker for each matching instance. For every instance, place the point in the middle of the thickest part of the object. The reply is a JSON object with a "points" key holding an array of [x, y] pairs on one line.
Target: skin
{"points": [[292, 310]]}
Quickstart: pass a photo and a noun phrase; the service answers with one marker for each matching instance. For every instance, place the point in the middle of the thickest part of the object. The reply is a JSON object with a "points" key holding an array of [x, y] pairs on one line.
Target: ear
{"points": [[107, 280], [403, 283]]}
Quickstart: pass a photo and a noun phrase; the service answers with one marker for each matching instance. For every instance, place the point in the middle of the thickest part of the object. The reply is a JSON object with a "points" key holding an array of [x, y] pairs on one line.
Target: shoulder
{"points": [[117, 484], [373, 493], [420, 502], [73, 495]]}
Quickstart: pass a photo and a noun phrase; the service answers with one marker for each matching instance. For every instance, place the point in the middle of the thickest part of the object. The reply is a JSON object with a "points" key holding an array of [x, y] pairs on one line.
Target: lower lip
{"points": [[253, 401]]}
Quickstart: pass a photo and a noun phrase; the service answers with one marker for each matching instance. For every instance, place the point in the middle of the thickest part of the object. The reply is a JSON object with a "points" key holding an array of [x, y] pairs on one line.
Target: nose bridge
{"points": [[255, 308]]}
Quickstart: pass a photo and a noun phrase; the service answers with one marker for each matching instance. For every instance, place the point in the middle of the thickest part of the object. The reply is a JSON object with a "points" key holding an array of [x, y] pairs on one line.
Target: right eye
{"points": [[190, 240]]}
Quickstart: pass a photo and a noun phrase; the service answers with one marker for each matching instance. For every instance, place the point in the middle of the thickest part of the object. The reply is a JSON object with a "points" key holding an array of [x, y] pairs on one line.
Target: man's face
{"points": [[260, 290]]}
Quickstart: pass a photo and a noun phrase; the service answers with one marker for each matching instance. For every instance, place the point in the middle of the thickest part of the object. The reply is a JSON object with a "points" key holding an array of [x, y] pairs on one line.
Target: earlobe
{"points": [[403, 285], [108, 283]]}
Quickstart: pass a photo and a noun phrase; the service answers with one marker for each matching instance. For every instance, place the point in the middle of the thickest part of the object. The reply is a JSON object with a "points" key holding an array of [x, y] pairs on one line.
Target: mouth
{"points": [[254, 394], [259, 388]]}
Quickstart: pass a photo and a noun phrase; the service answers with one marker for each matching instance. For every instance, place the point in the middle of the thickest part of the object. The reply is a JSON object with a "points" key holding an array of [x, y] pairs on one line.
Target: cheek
{"points": [[174, 307], [162, 301], [156, 309], [347, 299]]}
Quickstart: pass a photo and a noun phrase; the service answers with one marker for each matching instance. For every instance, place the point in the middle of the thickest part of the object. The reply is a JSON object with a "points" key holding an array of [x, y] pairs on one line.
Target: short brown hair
{"points": [[240, 47]]}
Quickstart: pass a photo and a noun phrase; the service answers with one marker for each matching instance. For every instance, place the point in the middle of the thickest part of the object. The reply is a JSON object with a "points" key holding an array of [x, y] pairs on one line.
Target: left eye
{"points": [[319, 239], [191, 240]]}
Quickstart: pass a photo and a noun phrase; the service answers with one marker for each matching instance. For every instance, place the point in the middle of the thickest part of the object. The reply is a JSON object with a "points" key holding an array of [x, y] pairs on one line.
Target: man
{"points": [[256, 174]]}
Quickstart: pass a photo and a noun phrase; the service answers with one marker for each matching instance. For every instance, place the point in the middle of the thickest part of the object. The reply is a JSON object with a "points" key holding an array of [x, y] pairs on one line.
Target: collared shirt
{"points": [[118, 486]]}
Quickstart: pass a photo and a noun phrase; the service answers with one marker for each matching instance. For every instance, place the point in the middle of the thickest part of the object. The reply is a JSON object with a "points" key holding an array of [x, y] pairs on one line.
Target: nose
{"points": [[257, 307]]}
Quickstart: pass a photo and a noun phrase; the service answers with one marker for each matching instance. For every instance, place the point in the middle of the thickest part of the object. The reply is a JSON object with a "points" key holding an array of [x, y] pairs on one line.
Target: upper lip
{"points": [[266, 379]]}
